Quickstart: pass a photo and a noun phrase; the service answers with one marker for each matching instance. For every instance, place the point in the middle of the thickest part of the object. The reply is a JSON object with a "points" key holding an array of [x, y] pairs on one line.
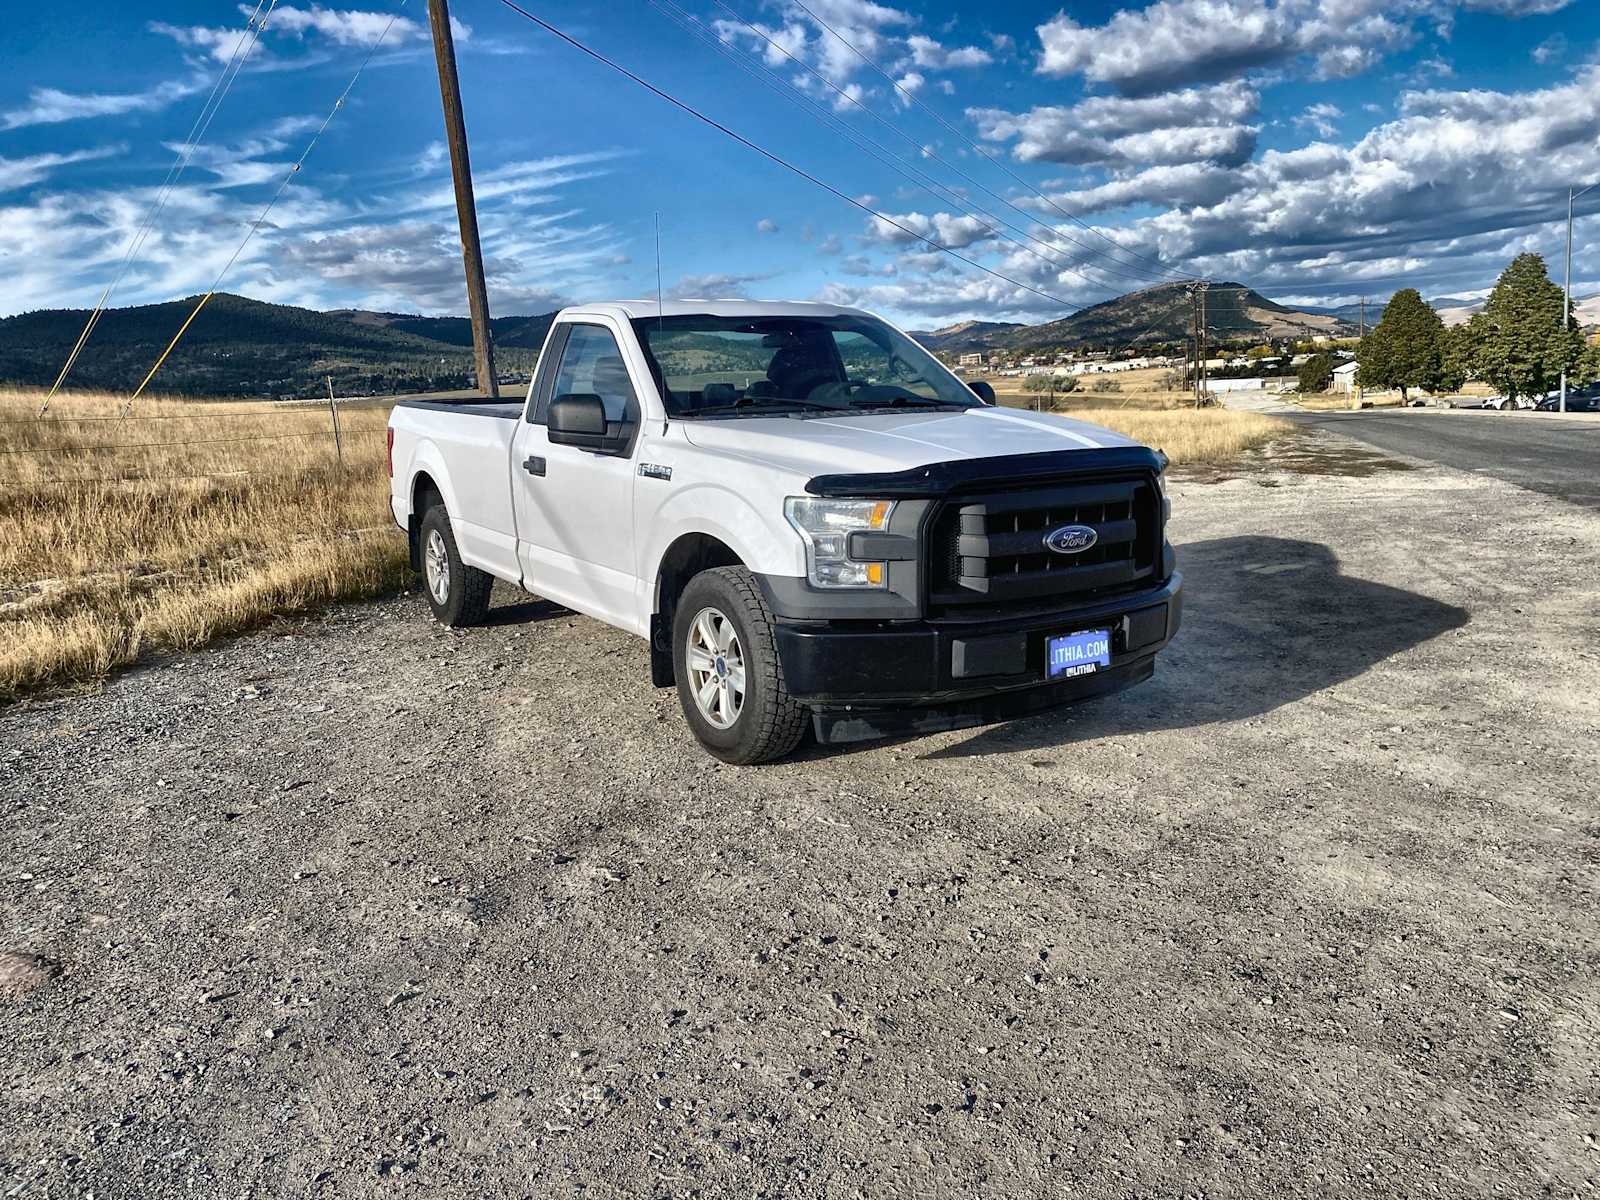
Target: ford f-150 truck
{"points": [[809, 519]]}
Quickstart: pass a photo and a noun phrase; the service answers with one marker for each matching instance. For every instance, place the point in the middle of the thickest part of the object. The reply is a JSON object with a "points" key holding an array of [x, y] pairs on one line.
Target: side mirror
{"points": [[982, 390], [579, 419]]}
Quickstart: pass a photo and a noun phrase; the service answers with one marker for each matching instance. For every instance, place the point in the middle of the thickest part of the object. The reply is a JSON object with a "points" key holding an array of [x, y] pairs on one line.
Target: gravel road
{"points": [[362, 907]]}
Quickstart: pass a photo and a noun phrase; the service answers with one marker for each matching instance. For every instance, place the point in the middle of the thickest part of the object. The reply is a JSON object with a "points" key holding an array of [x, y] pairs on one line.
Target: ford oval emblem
{"points": [[1070, 539]]}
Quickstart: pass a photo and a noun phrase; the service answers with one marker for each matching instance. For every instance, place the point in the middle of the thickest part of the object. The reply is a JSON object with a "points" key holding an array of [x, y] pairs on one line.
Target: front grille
{"points": [[989, 552]]}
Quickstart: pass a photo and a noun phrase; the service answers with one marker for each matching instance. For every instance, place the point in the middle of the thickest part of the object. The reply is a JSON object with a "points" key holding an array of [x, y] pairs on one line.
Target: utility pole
{"points": [[1194, 321], [455, 132], [1359, 396], [1566, 297], [1205, 343]]}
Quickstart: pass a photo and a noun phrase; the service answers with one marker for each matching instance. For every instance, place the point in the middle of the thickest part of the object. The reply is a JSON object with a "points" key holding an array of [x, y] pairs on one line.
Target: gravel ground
{"points": [[361, 906]]}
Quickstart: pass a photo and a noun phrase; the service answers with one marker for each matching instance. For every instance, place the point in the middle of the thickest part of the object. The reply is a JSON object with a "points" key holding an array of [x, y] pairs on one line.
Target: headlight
{"points": [[826, 526]]}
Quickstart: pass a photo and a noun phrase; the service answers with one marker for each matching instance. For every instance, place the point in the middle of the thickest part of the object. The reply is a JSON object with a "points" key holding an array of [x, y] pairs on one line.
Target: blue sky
{"points": [[1319, 150]]}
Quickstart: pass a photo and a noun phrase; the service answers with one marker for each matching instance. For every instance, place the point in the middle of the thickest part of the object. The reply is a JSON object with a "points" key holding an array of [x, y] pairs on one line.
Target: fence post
{"points": [[333, 413]]}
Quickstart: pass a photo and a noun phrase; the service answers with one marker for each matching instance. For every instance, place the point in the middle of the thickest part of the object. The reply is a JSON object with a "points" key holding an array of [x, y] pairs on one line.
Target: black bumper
{"points": [[872, 679]]}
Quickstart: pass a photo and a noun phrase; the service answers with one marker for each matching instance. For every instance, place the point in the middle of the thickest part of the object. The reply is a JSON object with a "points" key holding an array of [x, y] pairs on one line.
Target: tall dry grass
{"points": [[1146, 411], [1187, 435], [183, 521]]}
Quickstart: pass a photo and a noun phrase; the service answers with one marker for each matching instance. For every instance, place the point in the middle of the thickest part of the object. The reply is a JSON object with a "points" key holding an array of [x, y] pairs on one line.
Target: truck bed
{"points": [[505, 410]]}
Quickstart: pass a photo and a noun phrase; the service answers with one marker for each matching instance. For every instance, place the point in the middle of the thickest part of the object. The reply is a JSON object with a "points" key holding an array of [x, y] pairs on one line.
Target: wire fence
{"points": [[216, 447]]}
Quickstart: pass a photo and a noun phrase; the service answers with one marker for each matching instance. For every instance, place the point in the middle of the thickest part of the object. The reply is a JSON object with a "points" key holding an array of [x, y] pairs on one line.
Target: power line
{"points": [[197, 134], [251, 232], [1142, 275], [911, 97], [877, 150], [782, 162]]}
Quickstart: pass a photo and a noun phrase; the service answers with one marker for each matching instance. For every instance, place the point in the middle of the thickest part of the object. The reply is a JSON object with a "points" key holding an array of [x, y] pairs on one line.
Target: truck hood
{"points": [[871, 442]]}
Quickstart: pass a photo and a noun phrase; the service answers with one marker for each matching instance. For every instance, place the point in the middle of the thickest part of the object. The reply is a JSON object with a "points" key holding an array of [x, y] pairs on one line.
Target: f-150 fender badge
{"points": [[654, 471]]}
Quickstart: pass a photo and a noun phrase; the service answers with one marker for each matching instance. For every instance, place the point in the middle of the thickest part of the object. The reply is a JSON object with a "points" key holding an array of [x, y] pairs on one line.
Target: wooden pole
{"points": [[333, 415], [455, 132]]}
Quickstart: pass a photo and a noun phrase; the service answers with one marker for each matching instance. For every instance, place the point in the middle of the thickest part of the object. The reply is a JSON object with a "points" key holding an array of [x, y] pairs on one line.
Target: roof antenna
{"points": [[660, 319]]}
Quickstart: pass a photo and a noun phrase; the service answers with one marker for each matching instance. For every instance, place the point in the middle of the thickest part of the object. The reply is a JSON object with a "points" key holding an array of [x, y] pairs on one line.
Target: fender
{"points": [[763, 541]]}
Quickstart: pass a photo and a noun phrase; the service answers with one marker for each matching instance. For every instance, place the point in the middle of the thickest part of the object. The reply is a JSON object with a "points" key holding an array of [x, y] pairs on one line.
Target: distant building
{"points": [[971, 360], [1344, 378]]}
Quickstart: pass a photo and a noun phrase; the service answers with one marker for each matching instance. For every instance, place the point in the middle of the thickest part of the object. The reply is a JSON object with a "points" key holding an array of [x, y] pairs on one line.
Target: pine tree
{"points": [[1406, 350], [1521, 346]]}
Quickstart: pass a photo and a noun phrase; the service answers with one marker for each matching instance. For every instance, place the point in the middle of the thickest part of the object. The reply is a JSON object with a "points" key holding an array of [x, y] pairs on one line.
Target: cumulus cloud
{"points": [[1175, 42], [766, 225], [925, 52], [947, 229], [1184, 186], [1188, 125]]}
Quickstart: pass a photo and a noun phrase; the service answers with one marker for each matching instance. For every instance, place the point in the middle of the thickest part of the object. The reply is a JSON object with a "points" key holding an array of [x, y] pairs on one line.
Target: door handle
{"points": [[533, 465]]}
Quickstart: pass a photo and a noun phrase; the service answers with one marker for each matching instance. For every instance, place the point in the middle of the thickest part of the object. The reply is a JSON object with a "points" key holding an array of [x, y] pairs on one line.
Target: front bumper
{"points": [[867, 679]]}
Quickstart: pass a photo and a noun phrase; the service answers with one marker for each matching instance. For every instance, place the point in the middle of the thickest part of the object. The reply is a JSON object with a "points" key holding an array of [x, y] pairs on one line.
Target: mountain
{"points": [[1149, 316], [526, 333], [243, 347], [966, 336]]}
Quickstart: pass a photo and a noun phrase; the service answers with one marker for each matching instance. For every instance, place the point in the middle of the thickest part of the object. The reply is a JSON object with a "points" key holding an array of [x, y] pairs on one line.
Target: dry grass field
{"points": [[186, 520], [183, 521], [1146, 411]]}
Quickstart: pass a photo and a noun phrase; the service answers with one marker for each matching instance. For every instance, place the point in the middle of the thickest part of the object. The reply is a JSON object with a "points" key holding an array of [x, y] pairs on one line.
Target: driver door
{"points": [[575, 537]]}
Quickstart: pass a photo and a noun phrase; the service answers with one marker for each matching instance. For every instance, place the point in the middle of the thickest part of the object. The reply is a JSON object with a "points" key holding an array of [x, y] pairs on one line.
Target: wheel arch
{"points": [[687, 556]]}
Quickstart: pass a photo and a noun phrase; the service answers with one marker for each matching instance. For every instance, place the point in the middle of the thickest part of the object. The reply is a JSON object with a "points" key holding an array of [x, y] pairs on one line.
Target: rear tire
{"points": [[457, 594], [730, 680]]}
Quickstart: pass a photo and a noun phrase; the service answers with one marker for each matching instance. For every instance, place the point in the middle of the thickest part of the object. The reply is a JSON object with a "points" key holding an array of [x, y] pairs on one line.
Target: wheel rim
{"points": [[716, 668], [436, 563]]}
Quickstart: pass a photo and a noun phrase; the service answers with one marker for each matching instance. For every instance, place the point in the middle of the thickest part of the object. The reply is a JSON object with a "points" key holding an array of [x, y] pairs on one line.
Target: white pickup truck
{"points": [[810, 520]]}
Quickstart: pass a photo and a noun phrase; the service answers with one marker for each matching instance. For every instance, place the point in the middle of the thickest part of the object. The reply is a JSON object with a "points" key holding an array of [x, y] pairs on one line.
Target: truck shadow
{"points": [[1267, 621], [524, 611]]}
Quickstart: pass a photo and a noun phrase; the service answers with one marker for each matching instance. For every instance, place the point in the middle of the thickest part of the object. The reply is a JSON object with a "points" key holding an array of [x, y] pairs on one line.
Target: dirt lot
{"points": [[364, 908]]}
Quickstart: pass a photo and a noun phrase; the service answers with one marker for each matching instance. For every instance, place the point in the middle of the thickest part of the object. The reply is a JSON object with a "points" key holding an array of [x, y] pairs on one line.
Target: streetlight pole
{"points": [[1566, 294]]}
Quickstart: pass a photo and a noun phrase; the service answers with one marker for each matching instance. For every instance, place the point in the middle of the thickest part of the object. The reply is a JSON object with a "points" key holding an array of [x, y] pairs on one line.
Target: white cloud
{"points": [[1321, 117], [1192, 124], [766, 225], [24, 172], [1175, 42], [1550, 49], [948, 229], [715, 287], [50, 106], [929, 54]]}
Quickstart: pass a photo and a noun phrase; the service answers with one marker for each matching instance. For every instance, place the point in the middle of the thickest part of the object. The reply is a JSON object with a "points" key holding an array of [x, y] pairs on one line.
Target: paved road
{"points": [[1555, 455]]}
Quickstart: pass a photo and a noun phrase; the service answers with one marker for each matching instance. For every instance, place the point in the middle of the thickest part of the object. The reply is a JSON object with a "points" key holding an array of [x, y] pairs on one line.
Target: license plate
{"points": [[1078, 653]]}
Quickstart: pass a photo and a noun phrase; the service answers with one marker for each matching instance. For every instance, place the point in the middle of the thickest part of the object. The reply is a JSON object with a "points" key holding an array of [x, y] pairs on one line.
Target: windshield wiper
{"points": [[757, 406], [908, 402]]}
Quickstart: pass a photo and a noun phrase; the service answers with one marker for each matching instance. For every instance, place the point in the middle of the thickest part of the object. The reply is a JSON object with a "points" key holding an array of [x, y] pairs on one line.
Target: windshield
{"points": [[751, 366]]}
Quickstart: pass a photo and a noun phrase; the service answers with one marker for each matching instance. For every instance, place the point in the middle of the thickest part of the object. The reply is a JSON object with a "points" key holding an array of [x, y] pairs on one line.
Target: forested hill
{"points": [[1155, 314], [243, 347]]}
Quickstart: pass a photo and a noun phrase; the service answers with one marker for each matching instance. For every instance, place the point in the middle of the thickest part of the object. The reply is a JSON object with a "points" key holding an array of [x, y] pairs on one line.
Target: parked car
{"points": [[1585, 399], [812, 522]]}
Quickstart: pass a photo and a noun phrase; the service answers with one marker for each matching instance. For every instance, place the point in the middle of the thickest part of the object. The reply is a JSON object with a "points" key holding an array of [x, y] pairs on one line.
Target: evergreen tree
{"points": [[1521, 346], [1406, 350]]}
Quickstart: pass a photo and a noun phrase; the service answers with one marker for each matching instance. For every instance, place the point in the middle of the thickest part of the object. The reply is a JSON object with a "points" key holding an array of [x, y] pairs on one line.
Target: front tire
{"points": [[730, 680], [457, 594]]}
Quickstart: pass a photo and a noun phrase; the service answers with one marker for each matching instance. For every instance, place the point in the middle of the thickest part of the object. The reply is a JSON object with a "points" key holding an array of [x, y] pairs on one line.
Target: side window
{"points": [[591, 364]]}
